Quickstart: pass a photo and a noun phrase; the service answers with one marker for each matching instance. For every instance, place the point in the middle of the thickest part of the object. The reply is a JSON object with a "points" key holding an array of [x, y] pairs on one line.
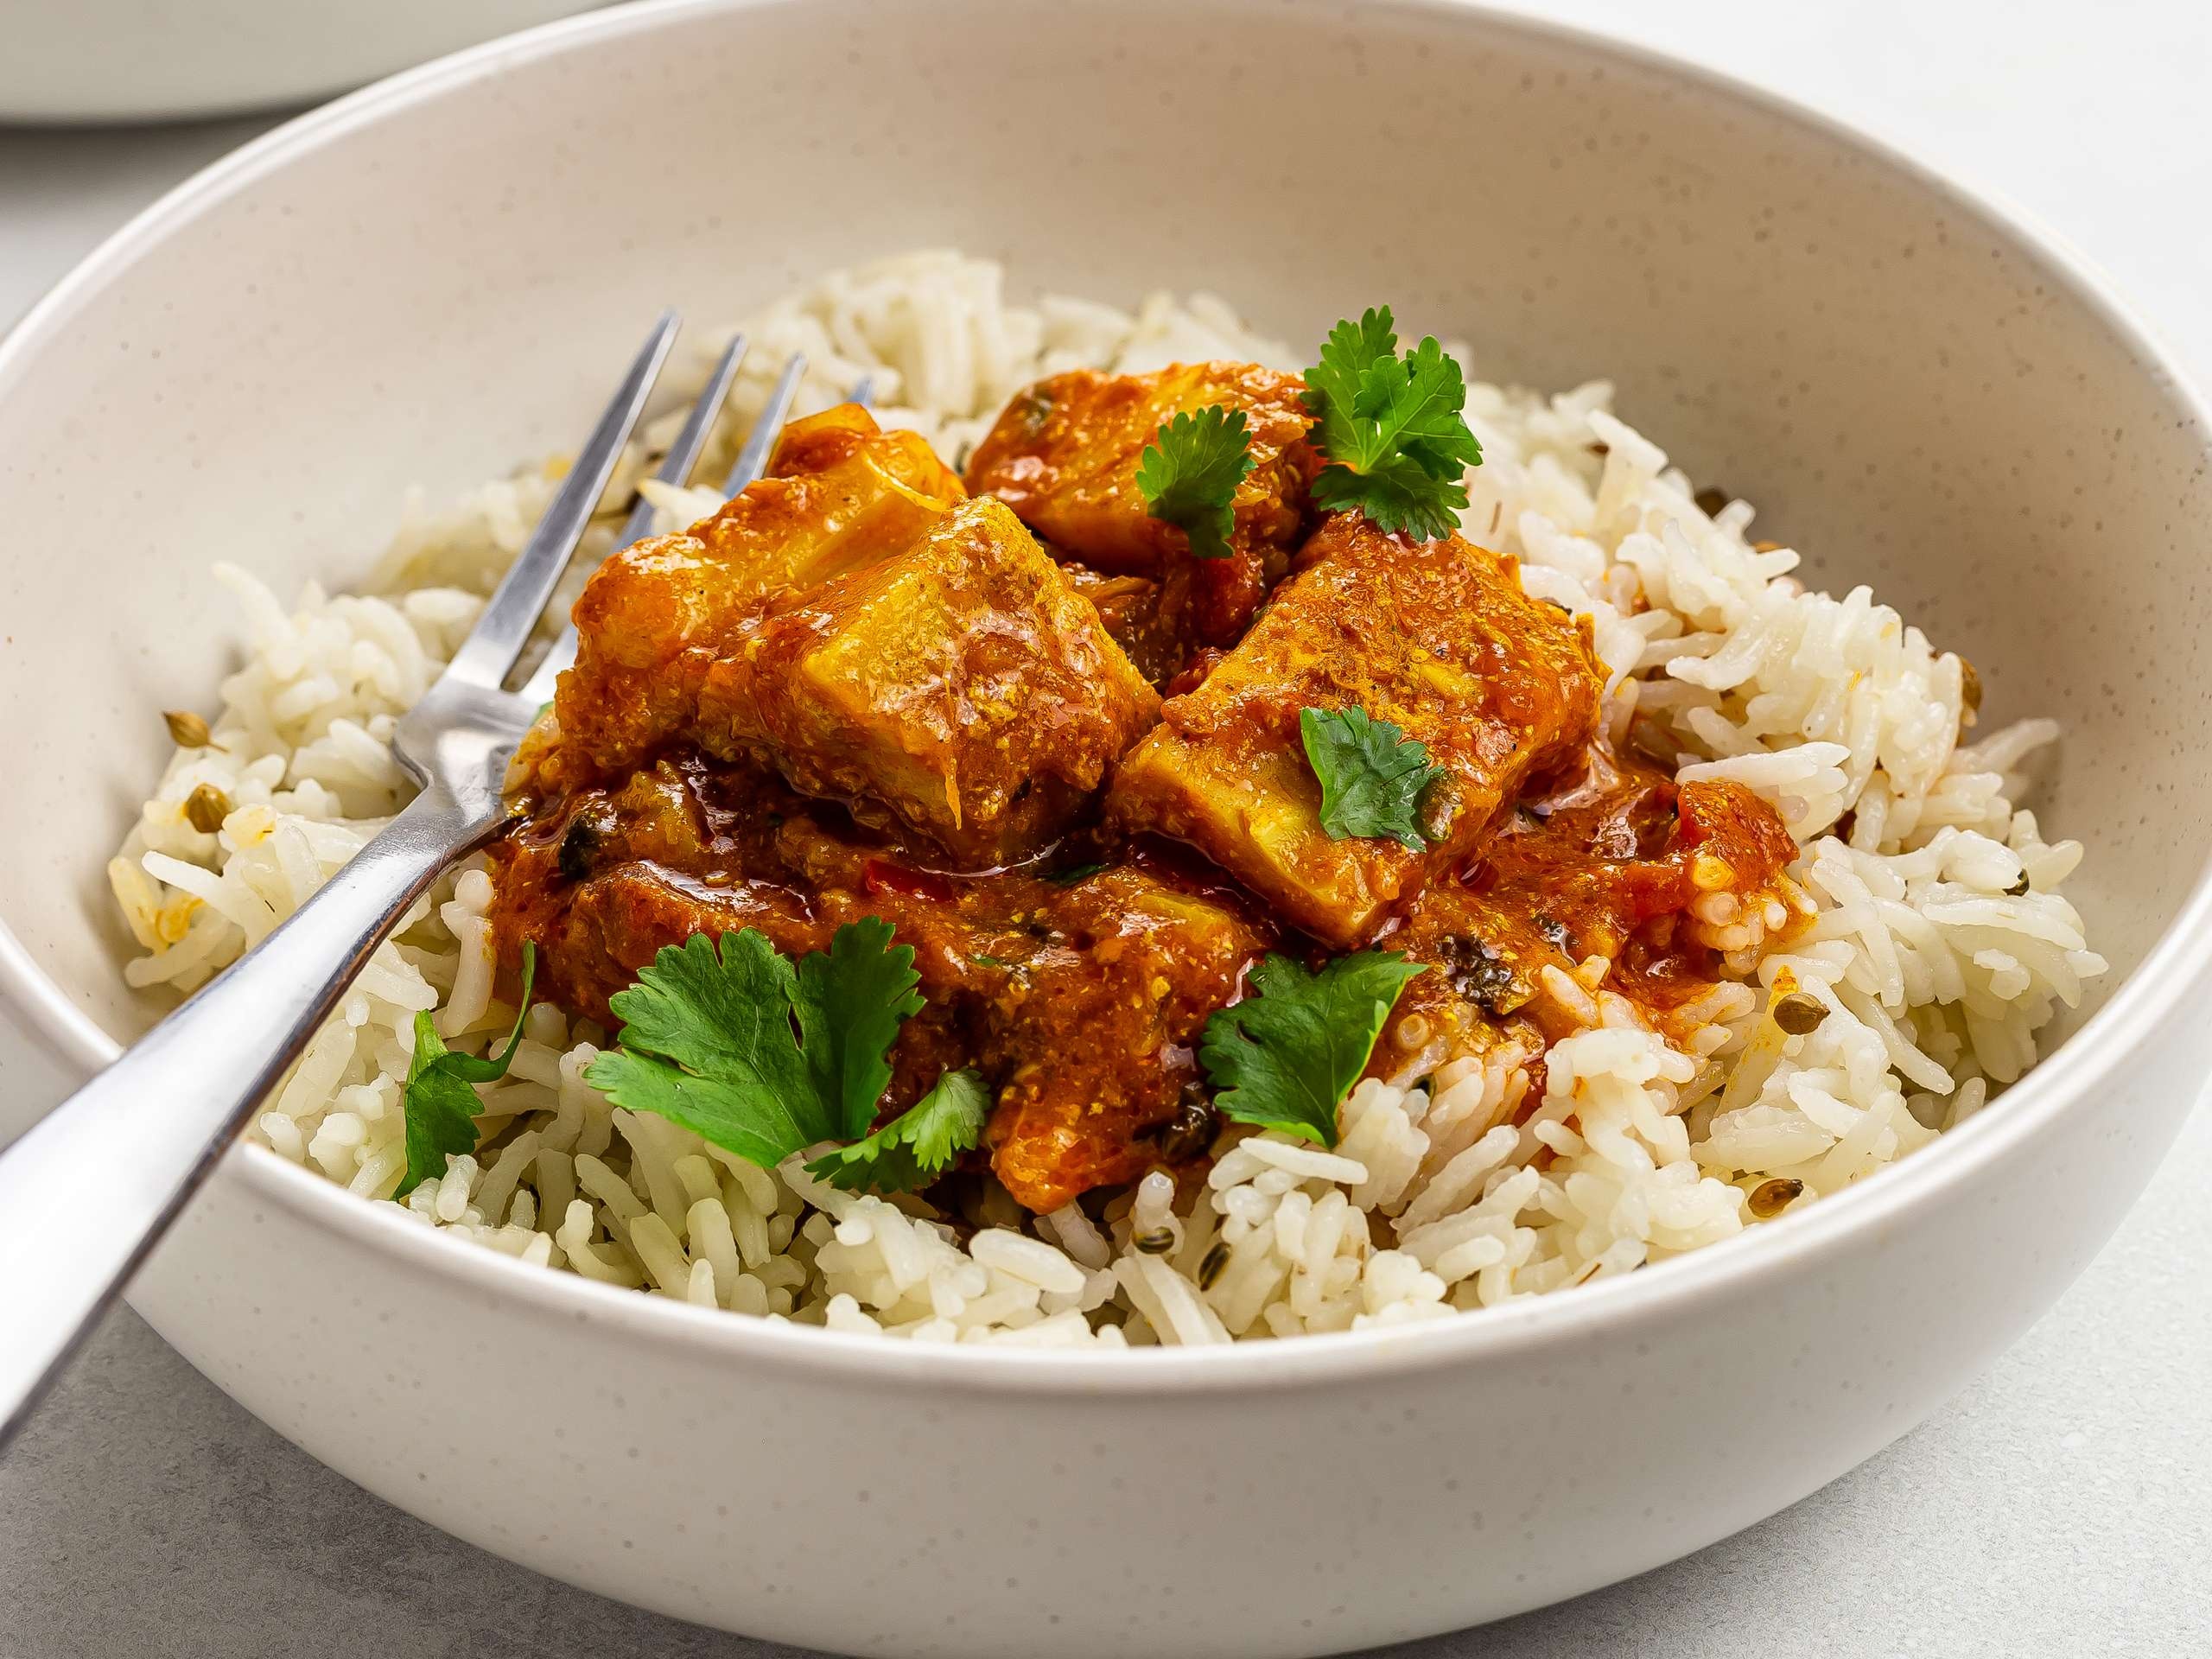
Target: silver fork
{"points": [[86, 1191]]}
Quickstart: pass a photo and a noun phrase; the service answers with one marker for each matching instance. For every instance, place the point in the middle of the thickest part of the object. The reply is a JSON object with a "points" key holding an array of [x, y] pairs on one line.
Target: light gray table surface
{"points": [[2061, 1505]]}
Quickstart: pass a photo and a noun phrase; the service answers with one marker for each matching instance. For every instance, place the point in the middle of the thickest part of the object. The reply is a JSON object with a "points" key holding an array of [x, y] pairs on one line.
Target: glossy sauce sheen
{"points": [[1065, 455], [658, 615], [1605, 869], [1082, 999], [854, 691], [962, 692], [1438, 640]]}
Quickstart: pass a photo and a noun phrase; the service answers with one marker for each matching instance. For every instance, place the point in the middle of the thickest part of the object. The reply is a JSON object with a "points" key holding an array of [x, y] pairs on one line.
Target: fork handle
{"points": [[86, 1190]]}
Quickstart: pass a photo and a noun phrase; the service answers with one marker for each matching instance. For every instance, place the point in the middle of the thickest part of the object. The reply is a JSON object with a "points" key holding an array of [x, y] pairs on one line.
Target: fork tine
{"points": [[675, 468], [513, 612], [683, 454], [752, 460], [864, 391]]}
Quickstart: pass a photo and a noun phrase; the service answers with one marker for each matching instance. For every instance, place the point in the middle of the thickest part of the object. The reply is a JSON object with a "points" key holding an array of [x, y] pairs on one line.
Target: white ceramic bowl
{"points": [[435, 277], [71, 60]]}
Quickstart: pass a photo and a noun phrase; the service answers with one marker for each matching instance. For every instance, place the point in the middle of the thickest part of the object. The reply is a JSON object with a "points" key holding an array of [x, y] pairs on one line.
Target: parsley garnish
{"points": [[1285, 1055], [440, 1107], [916, 1146], [709, 1039], [1371, 775], [1189, 472], [1398, 444]]}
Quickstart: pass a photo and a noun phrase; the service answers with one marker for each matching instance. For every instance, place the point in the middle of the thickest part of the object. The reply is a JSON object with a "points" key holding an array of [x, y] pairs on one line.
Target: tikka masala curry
{"points": [[1019, 718]]}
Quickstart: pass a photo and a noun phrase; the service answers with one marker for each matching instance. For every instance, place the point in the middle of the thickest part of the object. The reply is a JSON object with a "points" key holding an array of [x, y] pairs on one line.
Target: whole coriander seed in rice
{"points": [[1938, 942]]}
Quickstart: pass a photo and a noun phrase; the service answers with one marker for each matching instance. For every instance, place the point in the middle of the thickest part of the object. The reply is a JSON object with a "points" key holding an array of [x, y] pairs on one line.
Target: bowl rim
{"points": [[2148, 999]]}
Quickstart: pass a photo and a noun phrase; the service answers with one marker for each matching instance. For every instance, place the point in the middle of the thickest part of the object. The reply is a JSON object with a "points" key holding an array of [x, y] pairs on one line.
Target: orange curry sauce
{"points": [[866, 688]]}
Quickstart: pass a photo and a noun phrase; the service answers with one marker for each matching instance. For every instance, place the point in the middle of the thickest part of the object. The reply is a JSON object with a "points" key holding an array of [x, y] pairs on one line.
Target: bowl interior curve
{"points": [[423, 289]]}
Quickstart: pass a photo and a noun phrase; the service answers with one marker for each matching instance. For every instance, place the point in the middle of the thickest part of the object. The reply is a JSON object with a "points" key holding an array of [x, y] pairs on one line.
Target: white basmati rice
{"points": [[1939, 945]]}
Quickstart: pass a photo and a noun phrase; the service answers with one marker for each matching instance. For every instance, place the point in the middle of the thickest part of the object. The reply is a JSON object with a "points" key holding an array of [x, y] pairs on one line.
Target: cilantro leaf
{"points": [[440, 1107], [851, 1003], [709, 1040], [1392, 429], [1371, 775], [916, 1146], [1189, 472], [1286, 1056]]}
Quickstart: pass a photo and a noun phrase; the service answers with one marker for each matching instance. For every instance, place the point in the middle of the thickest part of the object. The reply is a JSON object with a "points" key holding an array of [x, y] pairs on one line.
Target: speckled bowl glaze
{"points": [[430, 279]]}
